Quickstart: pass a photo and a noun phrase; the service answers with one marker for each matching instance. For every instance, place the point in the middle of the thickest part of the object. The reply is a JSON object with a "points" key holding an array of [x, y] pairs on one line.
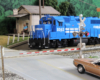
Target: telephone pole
{"points": [[43, 3], [40, 8]]}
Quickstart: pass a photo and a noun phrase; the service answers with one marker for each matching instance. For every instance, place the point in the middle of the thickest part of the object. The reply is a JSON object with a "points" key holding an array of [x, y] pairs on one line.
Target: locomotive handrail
{"points": [[48, 36], [44, 37]]}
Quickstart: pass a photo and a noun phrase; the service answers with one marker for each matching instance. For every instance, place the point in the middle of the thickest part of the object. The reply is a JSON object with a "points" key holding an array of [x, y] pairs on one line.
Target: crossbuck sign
{"points": [[82, 24]]}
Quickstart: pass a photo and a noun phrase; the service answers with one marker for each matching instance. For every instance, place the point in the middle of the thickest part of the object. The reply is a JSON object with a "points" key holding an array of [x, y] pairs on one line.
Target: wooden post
{"points": [[18, 37], [8, 40], [23, 35], [13, 38], [2, 63], [40, 8], [28, 39], [43, 3]]}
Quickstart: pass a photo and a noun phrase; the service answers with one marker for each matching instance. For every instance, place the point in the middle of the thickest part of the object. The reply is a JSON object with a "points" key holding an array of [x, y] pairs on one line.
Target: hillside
{"points": [[6, 6], [97, 2]]}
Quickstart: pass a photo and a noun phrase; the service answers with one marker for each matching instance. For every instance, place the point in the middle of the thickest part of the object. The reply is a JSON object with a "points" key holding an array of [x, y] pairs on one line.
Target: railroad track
{"points": [[89, 49]]}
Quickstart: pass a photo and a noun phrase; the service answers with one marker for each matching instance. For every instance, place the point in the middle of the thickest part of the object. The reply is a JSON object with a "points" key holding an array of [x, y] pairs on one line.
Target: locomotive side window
{"points": [[44, 22], [60, 23], [54, 22], [49, 22], [40, 22]]}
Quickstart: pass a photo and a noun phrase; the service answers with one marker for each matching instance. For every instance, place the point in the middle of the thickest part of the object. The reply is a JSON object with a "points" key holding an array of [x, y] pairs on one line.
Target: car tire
{"points": [[80, 69]]}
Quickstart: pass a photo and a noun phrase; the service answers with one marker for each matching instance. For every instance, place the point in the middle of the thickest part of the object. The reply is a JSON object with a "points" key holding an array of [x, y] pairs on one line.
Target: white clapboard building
{"points": [[29, 15]]}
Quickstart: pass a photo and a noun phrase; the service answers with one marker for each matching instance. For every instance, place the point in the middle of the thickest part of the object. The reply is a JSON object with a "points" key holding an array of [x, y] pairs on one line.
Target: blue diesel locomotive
{"points": [[56, 31]]}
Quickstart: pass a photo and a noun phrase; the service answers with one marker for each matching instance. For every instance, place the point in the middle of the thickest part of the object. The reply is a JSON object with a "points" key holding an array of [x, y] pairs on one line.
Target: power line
{"points": [[88, 3]]}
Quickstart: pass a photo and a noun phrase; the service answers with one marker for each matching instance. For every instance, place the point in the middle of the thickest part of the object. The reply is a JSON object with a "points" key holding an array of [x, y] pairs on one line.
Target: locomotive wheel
{"points": [[59, 43], [40, 45], [64, 43], [43, 46], [31, 46], [97, 41], [91, 41], [53, 44]]}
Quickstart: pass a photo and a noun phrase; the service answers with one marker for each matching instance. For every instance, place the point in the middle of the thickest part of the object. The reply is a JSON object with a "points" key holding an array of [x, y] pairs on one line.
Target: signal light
{"points": [[86, 33], [74, 34], [81, 34]]}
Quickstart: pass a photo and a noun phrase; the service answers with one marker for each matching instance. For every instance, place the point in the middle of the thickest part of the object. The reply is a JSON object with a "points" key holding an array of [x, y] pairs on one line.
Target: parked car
{"points": [[88, 65]]}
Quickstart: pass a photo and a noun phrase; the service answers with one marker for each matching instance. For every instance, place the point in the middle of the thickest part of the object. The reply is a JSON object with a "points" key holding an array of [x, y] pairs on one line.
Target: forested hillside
{"points": [[85, 9], [6, 6], [7, 25], [97, 2]]}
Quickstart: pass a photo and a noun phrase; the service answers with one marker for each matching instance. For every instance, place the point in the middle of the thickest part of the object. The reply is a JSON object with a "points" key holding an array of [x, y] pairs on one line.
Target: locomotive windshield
{"points": [[47, 22]]}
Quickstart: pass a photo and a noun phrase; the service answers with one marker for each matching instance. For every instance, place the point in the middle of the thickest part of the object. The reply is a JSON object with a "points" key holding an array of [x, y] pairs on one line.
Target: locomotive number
{"points": [[60, 29]]}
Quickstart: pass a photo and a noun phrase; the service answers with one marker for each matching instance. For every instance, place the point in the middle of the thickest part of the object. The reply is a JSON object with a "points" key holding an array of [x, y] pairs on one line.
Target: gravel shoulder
{"points": [[10, 76]]}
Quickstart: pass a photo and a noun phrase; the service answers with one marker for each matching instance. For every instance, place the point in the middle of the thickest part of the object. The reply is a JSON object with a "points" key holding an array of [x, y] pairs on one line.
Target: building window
{"points": [[28, 17]]}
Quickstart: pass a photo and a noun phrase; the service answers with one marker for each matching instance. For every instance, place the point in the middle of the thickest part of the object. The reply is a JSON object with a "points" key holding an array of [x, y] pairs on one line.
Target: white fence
{"points": [[19, 36]]}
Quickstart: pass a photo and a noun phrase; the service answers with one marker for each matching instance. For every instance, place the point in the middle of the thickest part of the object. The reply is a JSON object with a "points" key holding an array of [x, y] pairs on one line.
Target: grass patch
{"points": [[93, 57], [4, 39]]}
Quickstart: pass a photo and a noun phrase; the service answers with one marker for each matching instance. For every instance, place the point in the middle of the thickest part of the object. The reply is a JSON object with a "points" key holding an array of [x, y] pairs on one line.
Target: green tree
{"points": [[52, 3], [1, 10], [85, 9], [8, 24], [97, 2], [9, 12], [63, 8], [71, 10]]}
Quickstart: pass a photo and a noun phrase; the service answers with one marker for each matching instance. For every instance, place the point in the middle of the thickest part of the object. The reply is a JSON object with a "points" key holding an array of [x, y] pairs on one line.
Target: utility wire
{"points": [[88, 3]]}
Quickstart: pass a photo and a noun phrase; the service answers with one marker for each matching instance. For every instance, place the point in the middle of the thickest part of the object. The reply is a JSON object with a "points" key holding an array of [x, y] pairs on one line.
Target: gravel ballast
{"points": [[10, 76]]}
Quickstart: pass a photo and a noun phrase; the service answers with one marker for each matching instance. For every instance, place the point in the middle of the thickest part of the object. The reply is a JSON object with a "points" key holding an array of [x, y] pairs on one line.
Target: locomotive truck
{"points": [[57, 31]]}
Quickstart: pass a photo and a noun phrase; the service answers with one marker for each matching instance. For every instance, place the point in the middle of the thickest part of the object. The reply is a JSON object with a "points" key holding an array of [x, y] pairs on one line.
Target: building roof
{"points": [[19, 15], [35, 9]]}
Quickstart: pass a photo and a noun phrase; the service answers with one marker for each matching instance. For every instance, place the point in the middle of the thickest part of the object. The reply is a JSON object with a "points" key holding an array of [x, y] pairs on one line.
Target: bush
{"points": [[7, 25], [3, 31]]}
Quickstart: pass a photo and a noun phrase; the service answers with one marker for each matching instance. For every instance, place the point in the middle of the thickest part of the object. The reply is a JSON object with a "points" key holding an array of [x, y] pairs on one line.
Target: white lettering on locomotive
{"points": [[98, 27], [60, 29], [38, 28], [71, 30]]}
